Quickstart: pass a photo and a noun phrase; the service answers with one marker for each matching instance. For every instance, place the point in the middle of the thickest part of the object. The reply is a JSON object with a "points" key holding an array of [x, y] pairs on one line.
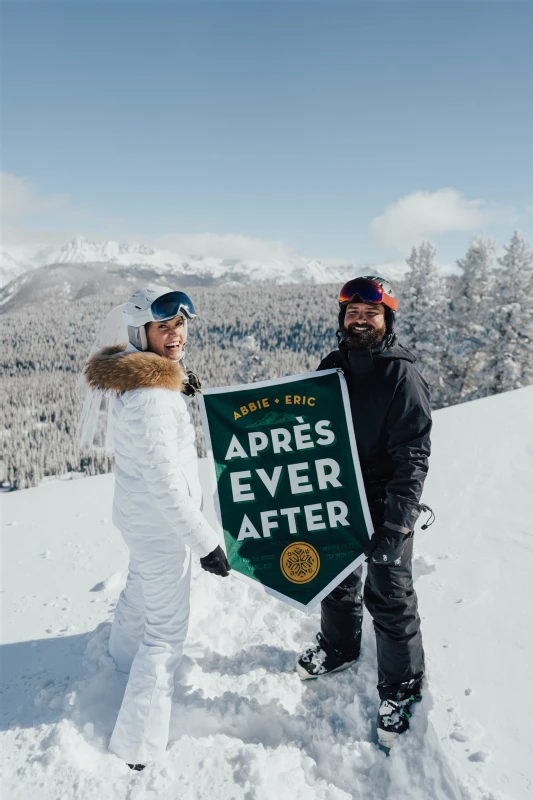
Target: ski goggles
{"points": [[368, 292], [171, 305]]}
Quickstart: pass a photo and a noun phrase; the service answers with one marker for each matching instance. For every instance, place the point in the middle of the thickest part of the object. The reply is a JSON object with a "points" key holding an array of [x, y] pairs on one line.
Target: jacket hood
{"points": [[394, 350], [113, 369], [364, 361], [389, 348]]}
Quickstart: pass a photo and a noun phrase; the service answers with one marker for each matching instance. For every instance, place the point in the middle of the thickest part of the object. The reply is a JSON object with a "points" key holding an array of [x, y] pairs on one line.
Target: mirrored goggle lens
{"points": [[171, 304], [368, 291]]}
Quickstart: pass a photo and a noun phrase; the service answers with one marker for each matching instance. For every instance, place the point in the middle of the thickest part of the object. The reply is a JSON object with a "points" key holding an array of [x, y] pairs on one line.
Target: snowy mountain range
{"points": [[243, 725], [139, 259]]}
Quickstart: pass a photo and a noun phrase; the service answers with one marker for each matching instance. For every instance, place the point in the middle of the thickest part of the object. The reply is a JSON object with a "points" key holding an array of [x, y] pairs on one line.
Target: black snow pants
{"points": [[390, 598]]}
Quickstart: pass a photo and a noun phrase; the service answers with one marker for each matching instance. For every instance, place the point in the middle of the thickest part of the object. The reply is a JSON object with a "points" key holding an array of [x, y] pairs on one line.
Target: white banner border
{"points": [[357, 467]]}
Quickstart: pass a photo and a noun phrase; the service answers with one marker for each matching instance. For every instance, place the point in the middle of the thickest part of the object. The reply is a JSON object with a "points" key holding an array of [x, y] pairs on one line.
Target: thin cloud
{"points": [[421, 215], [21, 206], [230, 246], [20, 198], [23, 209]]}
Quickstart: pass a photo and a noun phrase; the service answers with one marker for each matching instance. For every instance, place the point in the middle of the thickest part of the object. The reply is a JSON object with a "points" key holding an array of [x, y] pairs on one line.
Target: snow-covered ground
{"points": [[244, 726]]}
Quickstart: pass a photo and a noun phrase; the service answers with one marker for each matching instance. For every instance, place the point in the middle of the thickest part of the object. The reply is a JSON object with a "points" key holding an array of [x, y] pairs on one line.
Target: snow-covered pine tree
{"points": [[473, 320], [251, 365], [513, 316], [423, 320]]}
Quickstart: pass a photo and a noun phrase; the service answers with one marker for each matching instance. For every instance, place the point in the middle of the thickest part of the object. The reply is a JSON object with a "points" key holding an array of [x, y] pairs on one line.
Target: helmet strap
{"points": [[137, 337]]}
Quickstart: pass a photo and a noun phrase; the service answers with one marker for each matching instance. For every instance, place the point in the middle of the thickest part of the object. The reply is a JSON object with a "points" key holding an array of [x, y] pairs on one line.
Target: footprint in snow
{"points": [[479, 756], [459, 736]]}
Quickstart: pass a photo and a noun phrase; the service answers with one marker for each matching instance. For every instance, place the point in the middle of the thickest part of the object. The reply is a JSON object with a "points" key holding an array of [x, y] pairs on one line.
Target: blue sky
{"points": [[333, 127]]}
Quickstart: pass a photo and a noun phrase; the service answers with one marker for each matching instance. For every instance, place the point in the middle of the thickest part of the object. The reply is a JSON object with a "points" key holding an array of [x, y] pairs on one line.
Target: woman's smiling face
{"points": [[167, 338]]}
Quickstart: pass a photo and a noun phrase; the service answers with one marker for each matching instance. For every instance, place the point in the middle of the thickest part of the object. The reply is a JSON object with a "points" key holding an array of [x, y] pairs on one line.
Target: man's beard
{"points": [[361, 340]]}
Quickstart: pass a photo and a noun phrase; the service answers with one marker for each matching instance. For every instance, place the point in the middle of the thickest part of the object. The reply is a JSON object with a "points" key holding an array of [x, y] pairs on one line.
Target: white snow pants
{"points": [[146, 640]]}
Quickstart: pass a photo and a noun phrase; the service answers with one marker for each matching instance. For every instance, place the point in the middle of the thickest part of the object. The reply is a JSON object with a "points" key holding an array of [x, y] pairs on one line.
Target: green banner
{"points": [[287, 484]]}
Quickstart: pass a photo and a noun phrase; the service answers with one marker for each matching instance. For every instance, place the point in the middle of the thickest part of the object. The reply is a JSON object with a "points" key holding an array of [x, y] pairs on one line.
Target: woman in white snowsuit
{"points": [[156, 508]]}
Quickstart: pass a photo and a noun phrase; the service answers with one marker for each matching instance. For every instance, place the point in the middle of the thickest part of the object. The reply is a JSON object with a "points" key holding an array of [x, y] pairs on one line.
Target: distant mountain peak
{"points": [[112, 255], [82, 251]]}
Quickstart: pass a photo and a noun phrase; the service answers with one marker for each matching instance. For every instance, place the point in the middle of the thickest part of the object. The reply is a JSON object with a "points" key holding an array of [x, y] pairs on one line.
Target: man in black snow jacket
{"points": [[392, 421]]}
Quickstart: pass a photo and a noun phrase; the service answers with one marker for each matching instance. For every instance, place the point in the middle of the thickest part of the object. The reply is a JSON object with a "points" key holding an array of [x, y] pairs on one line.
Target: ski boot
{"points": [[393, 718], [322, 659]]}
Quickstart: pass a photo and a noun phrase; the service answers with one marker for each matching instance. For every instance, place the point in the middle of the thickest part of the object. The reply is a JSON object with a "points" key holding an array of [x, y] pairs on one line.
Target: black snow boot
{"points": [[322, 659], [393, 718]]}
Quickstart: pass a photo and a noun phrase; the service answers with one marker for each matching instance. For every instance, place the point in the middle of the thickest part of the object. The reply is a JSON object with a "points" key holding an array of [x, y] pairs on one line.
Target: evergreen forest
{"points": [[472, 334]]}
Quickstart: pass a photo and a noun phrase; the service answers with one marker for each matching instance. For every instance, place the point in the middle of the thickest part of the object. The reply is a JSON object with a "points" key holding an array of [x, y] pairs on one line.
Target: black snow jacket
{"points": [[392, 422]]}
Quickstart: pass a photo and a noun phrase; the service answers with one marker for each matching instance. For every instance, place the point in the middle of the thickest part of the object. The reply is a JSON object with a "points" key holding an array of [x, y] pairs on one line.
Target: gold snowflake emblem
{"points": [[300, 562]]}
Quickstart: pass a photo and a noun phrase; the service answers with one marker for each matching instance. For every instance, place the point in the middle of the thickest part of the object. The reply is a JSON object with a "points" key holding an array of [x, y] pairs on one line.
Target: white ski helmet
{"points": [[154, 304]]}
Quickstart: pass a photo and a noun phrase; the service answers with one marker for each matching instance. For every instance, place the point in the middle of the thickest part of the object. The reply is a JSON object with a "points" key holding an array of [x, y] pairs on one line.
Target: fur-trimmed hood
{"points": [[113, 369]]}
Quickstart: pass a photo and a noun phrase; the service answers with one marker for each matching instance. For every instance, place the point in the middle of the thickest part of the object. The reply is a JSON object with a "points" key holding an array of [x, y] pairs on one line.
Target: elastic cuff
{"points": [[206, 543], [402, 511], [398, 528]]}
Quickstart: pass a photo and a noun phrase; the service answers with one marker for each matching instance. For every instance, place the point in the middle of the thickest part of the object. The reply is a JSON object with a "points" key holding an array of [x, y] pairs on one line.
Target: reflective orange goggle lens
{"points": [[368, 292]]}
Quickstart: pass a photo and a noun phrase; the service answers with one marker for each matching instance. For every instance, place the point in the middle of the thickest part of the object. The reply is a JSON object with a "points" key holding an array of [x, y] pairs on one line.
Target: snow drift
{"points": [[244, 726]]}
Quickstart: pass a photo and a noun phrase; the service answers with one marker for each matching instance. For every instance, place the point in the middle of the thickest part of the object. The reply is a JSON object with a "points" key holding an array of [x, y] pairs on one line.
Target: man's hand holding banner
{"points": [[287, 484]]}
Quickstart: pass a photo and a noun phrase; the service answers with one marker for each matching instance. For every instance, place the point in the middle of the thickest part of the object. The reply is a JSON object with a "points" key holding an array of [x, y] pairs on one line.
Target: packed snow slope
{"points": [[244, 727]]}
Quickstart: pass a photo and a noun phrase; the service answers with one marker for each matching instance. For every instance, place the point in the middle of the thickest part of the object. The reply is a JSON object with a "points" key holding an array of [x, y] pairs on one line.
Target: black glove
{"points": [[386, 546], [216, 562], [193, 385]]}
